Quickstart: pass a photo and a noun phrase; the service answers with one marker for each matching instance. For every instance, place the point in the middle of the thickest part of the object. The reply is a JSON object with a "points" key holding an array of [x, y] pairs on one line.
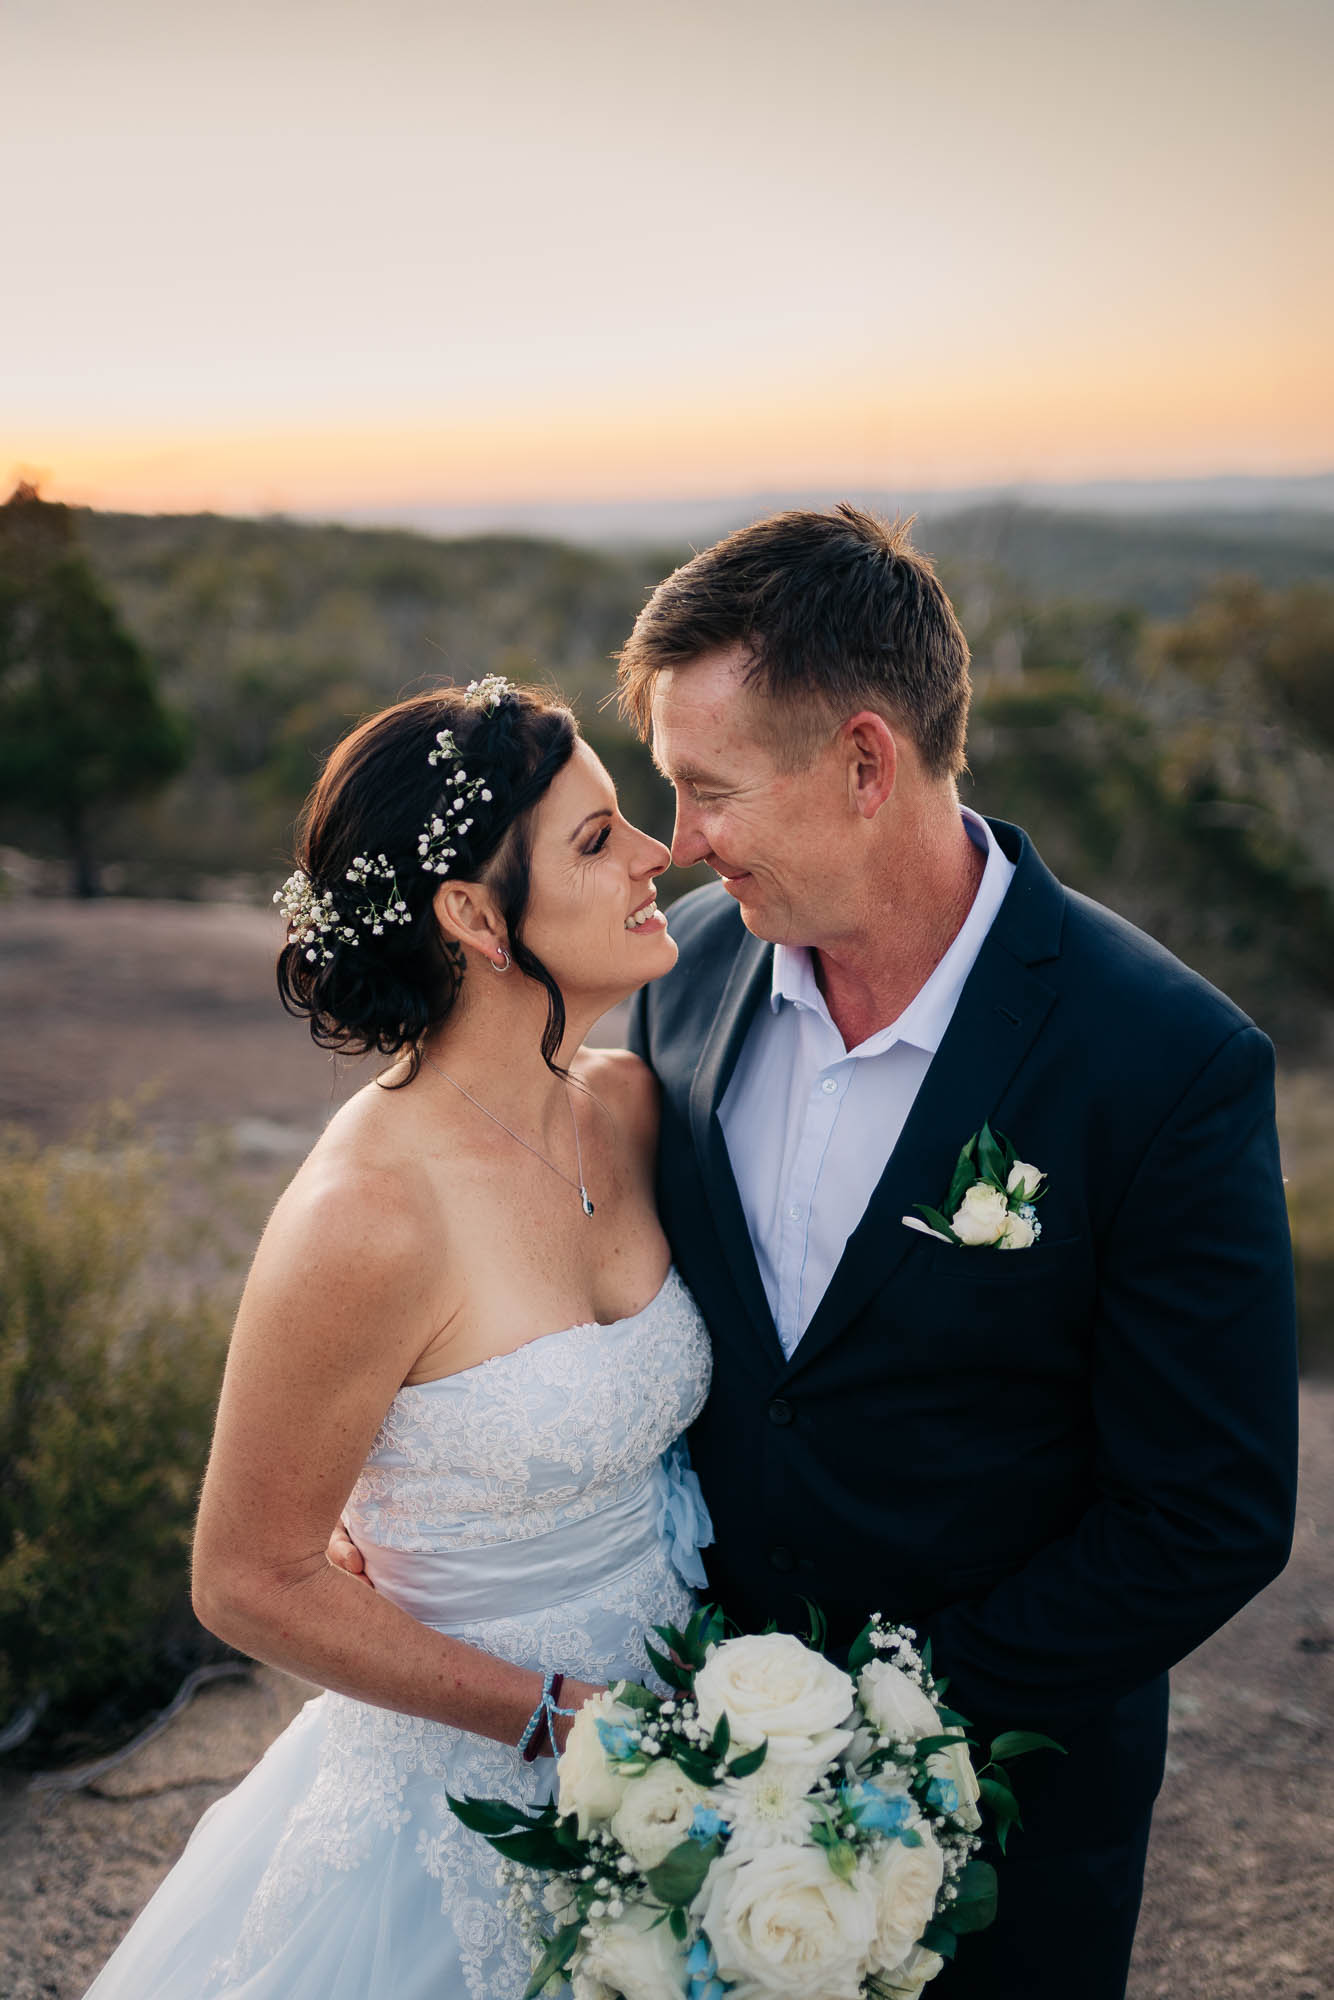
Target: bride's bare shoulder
{"points": [[624, 1083]]}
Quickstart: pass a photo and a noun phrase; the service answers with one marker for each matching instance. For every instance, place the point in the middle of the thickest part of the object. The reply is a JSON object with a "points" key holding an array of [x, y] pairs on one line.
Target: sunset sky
{"points": [[330, 257]]}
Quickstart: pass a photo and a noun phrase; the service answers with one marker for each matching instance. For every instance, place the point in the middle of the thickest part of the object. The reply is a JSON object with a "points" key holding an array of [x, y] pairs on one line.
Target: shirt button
{"points": [[780, 1412], [794, 1215], [829, 1086], [781, 1558]]}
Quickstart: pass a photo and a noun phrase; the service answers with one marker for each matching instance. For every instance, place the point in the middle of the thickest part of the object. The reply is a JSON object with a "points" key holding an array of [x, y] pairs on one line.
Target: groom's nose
{"points": [[688, 842]]}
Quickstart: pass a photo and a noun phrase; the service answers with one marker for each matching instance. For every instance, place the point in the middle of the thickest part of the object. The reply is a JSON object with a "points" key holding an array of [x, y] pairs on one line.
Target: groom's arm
{"points": [[1194, 1398]]}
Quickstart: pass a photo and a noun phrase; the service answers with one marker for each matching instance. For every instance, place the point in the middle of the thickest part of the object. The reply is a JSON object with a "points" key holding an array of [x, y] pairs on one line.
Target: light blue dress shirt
{"points": [[810, 1124]]}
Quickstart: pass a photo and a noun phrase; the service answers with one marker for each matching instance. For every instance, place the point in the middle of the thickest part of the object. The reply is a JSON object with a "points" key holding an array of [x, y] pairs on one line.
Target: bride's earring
{"points": [[502, 964]]}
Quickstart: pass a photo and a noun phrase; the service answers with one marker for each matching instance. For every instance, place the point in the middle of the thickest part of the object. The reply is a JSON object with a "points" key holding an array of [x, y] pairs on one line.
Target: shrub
{"points": [[110, 1360]]}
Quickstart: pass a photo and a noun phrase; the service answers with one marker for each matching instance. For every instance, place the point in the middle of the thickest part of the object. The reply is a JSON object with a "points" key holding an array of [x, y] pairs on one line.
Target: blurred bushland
{"points": [[112, 1339]]}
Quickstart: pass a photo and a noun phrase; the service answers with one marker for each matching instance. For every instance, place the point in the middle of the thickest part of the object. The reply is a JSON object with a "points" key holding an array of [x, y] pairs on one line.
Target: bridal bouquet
{"points": [[772, 1824]]}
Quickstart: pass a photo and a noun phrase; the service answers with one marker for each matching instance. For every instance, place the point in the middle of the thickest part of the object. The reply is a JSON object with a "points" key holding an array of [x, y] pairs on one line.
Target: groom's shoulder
{"points": [[1139, 981], [706, 925]]}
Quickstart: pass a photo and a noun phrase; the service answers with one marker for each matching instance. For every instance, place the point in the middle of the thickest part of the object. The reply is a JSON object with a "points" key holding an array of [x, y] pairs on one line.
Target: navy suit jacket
{"points": [[1067, 1465]]}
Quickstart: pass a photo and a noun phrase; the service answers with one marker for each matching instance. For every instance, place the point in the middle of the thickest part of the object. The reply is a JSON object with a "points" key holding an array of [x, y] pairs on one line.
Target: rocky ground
{"points": [[108, 999]]}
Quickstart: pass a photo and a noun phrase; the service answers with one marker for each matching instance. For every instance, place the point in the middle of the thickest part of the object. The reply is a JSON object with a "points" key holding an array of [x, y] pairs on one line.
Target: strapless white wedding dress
{"points": [[537, 1505]]}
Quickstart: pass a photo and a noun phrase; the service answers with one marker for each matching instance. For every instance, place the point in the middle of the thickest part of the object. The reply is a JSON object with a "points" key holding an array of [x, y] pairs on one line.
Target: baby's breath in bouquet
{"points": [[772, 1824]]}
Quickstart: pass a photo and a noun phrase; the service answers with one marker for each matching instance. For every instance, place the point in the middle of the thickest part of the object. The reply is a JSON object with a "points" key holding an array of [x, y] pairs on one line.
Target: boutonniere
{"points": [[990, 1199]]}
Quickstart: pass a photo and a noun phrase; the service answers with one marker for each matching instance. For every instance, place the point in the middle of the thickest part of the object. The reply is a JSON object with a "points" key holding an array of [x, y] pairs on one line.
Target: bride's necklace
{"points": [[578, 1185]]}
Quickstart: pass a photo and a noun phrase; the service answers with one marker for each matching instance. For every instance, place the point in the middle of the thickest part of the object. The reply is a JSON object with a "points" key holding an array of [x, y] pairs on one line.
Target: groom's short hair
{"points": [[837, 611]]}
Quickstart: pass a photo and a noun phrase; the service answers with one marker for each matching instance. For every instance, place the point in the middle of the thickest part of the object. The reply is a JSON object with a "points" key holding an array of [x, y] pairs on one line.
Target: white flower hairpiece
{"points": [[452, 818], [314, 920]]}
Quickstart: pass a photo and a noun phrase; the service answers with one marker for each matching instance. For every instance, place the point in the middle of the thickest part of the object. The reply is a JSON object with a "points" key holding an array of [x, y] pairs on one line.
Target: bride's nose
{"points": [[653, 858]]}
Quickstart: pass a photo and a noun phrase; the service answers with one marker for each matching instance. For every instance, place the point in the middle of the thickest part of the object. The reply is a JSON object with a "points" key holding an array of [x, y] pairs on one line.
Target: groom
{"points": [[1067, 1463]]}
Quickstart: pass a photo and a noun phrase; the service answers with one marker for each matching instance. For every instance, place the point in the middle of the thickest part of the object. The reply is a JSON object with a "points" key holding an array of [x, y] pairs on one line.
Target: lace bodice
{"points": [[530, 1441]]}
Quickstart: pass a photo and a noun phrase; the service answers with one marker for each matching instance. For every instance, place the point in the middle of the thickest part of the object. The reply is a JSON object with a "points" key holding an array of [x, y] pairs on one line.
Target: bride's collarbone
{"points": [[525, 1272]]}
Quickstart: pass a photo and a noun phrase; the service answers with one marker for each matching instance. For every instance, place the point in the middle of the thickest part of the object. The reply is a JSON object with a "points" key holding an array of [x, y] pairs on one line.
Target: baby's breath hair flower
{"points": [[489, 691], [313, 918]]}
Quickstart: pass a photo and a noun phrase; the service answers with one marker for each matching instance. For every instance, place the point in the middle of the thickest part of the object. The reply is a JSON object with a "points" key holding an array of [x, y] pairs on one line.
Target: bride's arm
{"points": [[343, 1296]]}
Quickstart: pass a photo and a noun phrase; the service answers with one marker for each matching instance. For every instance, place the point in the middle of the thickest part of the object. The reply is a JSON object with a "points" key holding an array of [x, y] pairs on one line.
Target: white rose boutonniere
{"points": [[990, 1203]]}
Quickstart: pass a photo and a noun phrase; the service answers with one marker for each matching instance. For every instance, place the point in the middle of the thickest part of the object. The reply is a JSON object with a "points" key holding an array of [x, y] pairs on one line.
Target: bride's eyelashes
{"points": [[597, 844]]}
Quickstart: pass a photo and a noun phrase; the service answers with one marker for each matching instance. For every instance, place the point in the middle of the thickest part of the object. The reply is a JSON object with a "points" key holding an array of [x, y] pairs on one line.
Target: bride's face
{"points": [[592, 917]]}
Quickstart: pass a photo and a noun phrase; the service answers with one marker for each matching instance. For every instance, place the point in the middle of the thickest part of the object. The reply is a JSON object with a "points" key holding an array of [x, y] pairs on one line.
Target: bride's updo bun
{"points": [[368, 985]]}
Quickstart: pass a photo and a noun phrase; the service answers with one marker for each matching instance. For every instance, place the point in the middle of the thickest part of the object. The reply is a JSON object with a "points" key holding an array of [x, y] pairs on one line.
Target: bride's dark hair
{"points": [[375, 796]]}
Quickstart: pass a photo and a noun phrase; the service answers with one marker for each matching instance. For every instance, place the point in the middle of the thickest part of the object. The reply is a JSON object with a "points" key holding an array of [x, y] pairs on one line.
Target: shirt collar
{"points": [[924, 1020]]}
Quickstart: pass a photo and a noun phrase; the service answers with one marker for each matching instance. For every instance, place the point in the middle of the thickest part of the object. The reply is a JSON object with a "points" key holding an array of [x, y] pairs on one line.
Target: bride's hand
{"points": [[344, 1554]]}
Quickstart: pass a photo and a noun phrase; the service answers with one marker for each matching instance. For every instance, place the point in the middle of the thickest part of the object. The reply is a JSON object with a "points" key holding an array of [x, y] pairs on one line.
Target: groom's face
{"points": [[774, 836]]}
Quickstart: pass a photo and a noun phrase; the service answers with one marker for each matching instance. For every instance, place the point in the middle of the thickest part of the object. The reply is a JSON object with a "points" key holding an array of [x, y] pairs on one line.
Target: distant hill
{"points": [[1162, 725], [701, 518]]}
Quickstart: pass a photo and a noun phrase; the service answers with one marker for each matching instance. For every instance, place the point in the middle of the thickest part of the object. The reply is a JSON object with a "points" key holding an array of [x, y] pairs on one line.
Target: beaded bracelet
{"points": [[542, 1721]]}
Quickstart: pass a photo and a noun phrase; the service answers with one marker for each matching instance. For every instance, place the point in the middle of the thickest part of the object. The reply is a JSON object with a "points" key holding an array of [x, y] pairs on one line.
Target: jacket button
{"points": [[782, 1558], [780, 1412]]}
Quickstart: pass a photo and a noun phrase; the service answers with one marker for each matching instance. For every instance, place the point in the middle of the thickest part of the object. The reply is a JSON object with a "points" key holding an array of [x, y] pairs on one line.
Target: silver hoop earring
{"points": [[505, 955]]}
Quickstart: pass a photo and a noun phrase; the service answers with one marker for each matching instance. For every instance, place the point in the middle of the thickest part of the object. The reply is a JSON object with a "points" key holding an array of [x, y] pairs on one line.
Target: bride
{"points": [[461, 1315]]}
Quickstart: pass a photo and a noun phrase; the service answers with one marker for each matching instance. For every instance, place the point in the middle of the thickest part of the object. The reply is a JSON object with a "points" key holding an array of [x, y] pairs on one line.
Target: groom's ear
{"points": [[467, 916], [872, 758]]}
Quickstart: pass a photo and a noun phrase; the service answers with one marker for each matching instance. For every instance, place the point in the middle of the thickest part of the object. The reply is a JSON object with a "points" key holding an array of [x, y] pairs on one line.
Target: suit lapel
{"points": [[747, 988], [1001, 1009]]}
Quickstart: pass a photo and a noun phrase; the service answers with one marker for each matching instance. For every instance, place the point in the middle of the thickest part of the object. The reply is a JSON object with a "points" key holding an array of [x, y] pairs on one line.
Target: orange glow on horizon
{"points": [[1098, 417]]}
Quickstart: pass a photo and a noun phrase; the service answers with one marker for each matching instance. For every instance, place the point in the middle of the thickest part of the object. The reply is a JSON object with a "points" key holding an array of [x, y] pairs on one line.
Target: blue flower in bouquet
{"points": [[874, 1810], [943, 1794], [702, 1968], [706, 1825], [615, 1740]]}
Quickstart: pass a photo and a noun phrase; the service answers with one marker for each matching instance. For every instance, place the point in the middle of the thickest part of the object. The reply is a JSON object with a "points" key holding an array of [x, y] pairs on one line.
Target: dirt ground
{"points": [[104, 1000]]}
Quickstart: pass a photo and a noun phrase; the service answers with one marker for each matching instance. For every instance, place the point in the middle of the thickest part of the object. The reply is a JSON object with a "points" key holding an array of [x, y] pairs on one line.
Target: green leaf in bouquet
{"points": [[675, 1677], [927, 1746], [698, 1767], [1003, 1805], [861, 1651], [633, 1694], [492, 1816], [951, 1716], [536, 1847], [975, 1906], [721, 1741], [940, 1938], [748, 1761], [926, 1655], [817, 1631], [679, 1876], [995, 1157], [679, 1924], [1018, 1743], [842, 1857], [555, 1958]]}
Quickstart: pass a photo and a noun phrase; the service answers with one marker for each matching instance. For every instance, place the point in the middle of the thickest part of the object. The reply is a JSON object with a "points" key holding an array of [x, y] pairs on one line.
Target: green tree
{"points": [[82, 725]]}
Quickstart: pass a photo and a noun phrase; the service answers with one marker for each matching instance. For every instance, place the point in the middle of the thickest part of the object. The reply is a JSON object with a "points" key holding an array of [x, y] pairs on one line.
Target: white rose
{"points": [[655, 1814], [781, 1922], [906, 1881], [770, 1685], [1023, 1176], [1019, 1234], [956, 1767], [981, 1215], [895, 1704], [589, 1785], [906, 1981], [633, 1956]]}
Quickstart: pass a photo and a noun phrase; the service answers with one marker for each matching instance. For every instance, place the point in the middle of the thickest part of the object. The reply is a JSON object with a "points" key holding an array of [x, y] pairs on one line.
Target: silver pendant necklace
{"points": [[578, 1185]]}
